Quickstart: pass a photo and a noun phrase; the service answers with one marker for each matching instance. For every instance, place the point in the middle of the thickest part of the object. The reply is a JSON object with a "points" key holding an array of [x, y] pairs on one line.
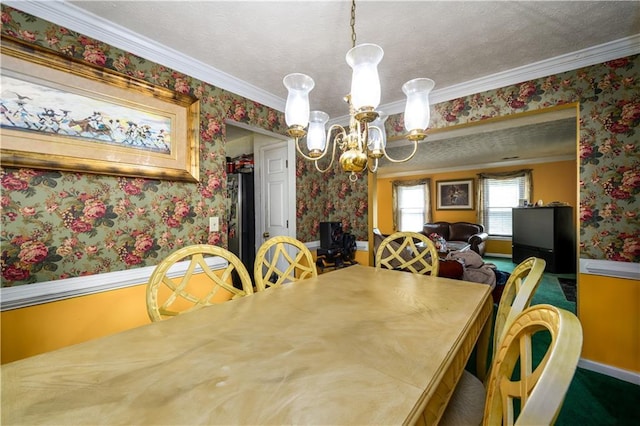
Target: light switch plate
{"points": [[213, 224]]}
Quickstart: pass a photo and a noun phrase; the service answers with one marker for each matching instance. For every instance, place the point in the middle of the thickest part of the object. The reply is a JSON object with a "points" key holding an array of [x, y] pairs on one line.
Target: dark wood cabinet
{"points": [[547, 233]]}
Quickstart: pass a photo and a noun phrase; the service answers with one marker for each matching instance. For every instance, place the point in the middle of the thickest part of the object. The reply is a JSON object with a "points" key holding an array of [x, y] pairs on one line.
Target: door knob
{"points": [[265, 235]]}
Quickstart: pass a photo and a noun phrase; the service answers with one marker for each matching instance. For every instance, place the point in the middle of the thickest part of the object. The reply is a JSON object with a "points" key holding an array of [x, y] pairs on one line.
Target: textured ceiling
{"points": [[452, 42]]}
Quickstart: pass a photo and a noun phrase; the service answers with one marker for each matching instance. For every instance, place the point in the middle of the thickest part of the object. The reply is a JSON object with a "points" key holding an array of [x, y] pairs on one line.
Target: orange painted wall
{"points": [[42, 328], [609, 310], [555, 181], [362, 257]]}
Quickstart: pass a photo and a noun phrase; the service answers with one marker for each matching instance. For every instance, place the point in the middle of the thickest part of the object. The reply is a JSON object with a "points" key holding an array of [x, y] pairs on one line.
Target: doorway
{"points": [[527, 139], [274, 179]]}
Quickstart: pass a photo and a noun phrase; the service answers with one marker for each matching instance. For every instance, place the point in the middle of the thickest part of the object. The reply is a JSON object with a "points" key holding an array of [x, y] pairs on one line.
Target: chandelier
{"points": [[364, 142]]}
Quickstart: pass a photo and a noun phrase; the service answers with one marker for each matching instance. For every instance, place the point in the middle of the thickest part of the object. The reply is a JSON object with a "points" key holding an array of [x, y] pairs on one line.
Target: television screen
{"points": [[533, 227]]}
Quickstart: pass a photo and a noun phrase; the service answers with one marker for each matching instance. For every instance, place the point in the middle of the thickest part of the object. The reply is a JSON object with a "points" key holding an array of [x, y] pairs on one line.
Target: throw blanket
{"points": [[475, 269]]}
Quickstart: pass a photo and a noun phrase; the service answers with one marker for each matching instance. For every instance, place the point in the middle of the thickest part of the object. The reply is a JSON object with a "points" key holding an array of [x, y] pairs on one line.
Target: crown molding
{"points": [[91, 25]]}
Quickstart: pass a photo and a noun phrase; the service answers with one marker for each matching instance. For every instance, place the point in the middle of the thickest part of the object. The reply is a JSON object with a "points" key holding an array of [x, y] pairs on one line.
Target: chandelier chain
{"points": [[353, 23]]}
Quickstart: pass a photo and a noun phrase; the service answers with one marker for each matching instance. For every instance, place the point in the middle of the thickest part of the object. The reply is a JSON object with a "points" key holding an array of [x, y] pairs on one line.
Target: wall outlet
{"points": [[213, 224]]}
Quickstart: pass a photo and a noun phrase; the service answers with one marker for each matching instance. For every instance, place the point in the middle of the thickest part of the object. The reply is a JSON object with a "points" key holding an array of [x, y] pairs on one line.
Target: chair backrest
{"points": [[538, 389], [200, 286], [517, 294], [280, 260], [408, 251]]}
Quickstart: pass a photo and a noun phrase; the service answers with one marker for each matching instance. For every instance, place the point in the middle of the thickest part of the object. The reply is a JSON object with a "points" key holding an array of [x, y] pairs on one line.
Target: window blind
{"points": [[411, 207], [500, 197]]}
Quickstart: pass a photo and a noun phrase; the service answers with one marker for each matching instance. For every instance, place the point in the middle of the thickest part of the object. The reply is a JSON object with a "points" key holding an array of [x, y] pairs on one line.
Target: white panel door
{"points": [[275, 190]]}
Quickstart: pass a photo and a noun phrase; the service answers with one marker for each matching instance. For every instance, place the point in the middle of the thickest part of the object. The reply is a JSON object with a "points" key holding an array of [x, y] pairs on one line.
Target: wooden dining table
{"points": [[352, 346]]}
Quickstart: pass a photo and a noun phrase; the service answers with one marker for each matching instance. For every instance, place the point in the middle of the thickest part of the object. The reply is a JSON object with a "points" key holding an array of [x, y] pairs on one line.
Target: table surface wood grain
{"points": [[352, 346]]}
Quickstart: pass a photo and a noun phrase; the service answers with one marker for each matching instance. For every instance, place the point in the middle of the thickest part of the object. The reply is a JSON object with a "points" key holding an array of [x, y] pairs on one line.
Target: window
{"points": [[499, 194], [411, 205], [410, 208]]}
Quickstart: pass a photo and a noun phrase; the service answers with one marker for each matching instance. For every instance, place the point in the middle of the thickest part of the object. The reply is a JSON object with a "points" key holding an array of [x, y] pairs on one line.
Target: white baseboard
{"points": [[607, 370], [610, 268], [51, 291]]}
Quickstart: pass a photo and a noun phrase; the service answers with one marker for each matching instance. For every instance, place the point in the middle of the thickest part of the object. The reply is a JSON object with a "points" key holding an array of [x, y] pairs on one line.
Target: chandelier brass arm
{"points": [[316, 157], [415, 149], [357, 156]]}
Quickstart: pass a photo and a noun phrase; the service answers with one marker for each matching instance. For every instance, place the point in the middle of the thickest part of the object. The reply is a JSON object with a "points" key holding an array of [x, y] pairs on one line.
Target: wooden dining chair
{"points": [[280, 260], [520, 389], [516, 297], [170, 295], [408, 251]]}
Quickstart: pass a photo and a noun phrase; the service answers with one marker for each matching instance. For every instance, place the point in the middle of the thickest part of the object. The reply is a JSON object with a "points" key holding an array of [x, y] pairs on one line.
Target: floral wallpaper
{"points": [[58, 225], [329, 197]]}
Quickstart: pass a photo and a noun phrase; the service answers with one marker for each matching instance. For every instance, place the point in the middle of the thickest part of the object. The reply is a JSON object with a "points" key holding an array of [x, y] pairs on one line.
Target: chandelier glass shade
{"points": [[365, 82], [316, 137], [297, 110], [363, 143]]}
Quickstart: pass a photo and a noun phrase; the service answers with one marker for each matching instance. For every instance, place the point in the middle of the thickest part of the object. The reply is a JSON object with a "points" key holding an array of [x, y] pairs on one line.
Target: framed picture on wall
{"points": [[63, 114], [454, 194]]}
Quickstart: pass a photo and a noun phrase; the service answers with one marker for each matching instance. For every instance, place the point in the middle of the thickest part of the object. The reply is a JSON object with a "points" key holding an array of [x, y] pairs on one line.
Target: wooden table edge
{"points": [[431, 409]]}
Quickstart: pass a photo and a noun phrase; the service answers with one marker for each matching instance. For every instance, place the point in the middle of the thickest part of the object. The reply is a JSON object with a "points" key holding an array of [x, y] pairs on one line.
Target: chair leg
{"points": [[482, 354]]}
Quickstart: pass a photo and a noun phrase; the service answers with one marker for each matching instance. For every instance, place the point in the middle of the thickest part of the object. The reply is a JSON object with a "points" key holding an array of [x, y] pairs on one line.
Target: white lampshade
{"points": [[417, 113], [365, 82], [316, 136], [296, 111], [377, 139]]}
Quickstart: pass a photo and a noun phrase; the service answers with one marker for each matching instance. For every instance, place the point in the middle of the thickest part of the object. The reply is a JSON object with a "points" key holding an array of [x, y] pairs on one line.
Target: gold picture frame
{"points": [[454, 194], [63, 114]]}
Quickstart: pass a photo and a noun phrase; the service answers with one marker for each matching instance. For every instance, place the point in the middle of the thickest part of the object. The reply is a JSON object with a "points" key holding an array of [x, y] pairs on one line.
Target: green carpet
{"points": [[593, 398]]}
